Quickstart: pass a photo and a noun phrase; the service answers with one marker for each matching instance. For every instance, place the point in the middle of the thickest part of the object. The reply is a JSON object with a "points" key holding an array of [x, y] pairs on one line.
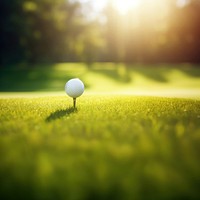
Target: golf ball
{"points": [[74, 87]]}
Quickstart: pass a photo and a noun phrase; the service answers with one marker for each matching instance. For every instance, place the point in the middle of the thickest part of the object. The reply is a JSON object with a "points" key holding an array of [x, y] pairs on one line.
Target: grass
{"points": [[103, 77], [127, 139], [110, 147]]}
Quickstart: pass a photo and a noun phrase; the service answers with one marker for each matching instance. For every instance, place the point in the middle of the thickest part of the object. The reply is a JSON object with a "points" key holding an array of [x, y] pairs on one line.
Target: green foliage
{"points": [[45, 31], [48, 31], [111, 147]]}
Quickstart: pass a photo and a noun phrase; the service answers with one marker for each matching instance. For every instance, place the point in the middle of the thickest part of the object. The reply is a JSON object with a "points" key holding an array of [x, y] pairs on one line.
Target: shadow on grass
{"points": [[192, 71], [117, 71], [39, 78], [156, 73], [61, 113], [122, 72], [51, 78], [32, 79]]}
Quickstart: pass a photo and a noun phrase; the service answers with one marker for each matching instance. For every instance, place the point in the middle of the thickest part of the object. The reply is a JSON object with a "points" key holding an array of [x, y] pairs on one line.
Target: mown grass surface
{"points": [[111, 147], [101, 77]]}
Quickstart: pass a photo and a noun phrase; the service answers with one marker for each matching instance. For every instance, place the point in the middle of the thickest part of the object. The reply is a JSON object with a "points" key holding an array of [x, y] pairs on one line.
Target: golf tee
{"points": [[74, 102]]}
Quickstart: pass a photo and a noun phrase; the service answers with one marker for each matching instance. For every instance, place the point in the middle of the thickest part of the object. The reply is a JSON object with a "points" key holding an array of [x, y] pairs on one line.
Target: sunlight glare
{"points": [[182, 3], [123, 6]]}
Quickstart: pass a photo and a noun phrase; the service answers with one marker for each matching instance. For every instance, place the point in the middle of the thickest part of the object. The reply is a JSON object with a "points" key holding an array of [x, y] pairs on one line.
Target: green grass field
{"points": [[157, 80], [133, 136]]}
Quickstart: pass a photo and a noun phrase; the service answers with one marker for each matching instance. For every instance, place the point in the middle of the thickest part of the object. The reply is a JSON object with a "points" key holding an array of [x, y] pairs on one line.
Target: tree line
{"points": [[46, 31]]}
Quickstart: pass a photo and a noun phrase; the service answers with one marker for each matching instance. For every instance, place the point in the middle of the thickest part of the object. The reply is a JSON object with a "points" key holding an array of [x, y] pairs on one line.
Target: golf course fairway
{"points": [[110, 147]]}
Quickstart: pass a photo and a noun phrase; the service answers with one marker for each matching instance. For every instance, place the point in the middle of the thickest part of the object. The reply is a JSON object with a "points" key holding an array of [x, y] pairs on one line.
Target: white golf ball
{"points": [[74, 87]]}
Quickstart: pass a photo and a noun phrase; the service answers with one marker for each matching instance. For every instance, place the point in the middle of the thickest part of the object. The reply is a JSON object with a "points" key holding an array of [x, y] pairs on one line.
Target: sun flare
{"points": [[123, 6]]}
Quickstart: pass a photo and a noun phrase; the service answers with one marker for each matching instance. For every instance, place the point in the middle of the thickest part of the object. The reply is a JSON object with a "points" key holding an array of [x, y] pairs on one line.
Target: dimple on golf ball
{"points": [[74, 88]]}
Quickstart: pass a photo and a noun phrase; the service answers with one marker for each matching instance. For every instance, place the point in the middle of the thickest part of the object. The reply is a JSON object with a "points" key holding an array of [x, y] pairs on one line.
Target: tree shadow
{"points": [[38, 78], [192, 70], [51, 77], [122, 72], [157, 73], [61, 113], [117, 71], [160, 72]]}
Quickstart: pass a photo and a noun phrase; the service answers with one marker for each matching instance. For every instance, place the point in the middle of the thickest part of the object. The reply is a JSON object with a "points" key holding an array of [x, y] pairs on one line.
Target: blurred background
{"points": [[49, 31], [43, 33]]}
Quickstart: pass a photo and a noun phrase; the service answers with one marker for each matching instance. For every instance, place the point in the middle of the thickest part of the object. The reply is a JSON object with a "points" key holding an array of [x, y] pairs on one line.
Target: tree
{"points": [[157, 31], [45, 31]]}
